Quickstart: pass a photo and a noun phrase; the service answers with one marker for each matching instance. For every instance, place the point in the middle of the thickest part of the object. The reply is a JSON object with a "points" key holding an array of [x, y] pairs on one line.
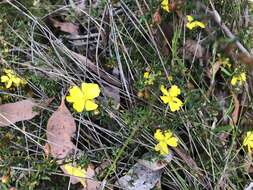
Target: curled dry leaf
{"points": [[19, 111], [60, 129]]}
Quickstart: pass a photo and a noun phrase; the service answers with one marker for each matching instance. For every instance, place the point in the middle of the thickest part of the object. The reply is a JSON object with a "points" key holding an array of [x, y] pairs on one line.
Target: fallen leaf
{"points": [[91, 182], [65, 26], [235, 114], [102, 166], [19, 111], [145, 174], [139, 177], [60, 129]]}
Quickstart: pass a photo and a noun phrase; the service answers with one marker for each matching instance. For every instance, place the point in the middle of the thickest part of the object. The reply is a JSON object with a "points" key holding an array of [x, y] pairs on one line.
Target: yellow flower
{"points": [[170, 97], [165, 5], [248, 141], [240, 79], [149, 78], [83, 98], [164, 139], [193, 24], [146, 75], [170, 78], [76, 172], [10, 78]]}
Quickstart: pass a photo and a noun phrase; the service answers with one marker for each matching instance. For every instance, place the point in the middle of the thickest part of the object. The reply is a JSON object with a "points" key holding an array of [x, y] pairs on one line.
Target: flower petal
{"points": [[16, 81], [90, 90], [175, 104], [78, 106], [75, 95], [162, 147], [174, 91], [165, 5], [159, 135], [234, 80], [189, 18], [4, 78], [8, 84], [164, 90], [165, 99], [90, 105], [172, 141]]}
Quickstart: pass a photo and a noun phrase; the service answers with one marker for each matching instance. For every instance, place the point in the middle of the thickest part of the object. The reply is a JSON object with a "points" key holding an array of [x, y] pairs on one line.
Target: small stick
{"points": [[216, 17]]}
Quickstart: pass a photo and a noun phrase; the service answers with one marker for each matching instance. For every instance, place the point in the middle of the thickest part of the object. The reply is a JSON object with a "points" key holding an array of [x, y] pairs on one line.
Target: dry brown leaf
{"points": [[19, 111], [65, 26], [91, 183], [60, 129], [102, 166], [235, 114]]}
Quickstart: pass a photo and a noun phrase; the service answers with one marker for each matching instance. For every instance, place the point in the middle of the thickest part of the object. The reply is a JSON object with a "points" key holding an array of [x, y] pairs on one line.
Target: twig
{"points": [[217, 18]]}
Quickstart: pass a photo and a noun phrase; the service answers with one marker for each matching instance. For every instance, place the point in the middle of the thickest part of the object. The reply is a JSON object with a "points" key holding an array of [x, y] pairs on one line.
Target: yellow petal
{"points": [[164, 90], [172, 141], [190, 26], [8, 84], [165, 99], [243, 77], [168, 134], [194, 24], [4, 78], [162, 148], [176, 104], [165, 5], [78, 106], [234, 80], [8, 71], [90, 90], [16, 81], [146, 75], [159, 135], [90, 105], [75, 94], [174, 91], [200, 24], [189, 18], [77, 172]]}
